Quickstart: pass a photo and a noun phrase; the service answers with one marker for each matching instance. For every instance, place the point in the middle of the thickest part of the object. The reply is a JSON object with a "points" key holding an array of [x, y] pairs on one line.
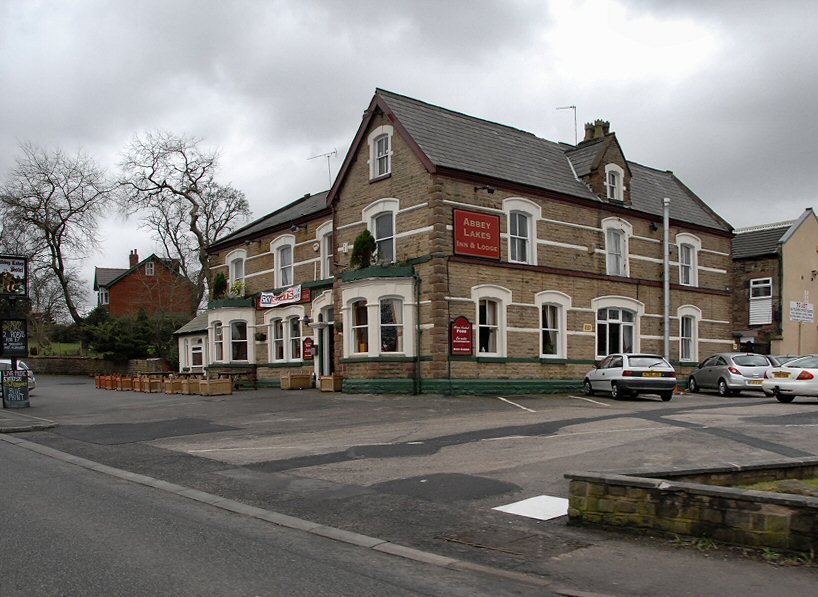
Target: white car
{"points": [[625, 374], [5, 365], [796, 378]]}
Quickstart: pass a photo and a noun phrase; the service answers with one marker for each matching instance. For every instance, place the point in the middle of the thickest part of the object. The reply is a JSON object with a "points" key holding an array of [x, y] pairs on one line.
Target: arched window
{"points": [[689, 316], [283, 249], [277, 339], [553, 306], [615, 331], [218, 341], [235, 262], [360, 327], [380, 152], [522, 216], [379, 217], [238, 341], [294, 327], [617, 232], [391, 325], [689, 247], [324, 237], [614, 182], [491, 303]]}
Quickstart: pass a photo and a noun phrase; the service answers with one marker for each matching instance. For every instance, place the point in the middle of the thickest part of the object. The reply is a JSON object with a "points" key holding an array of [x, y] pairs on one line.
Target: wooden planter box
{"points": [[124, 384], [188, 386], [331, 383], [215, 387], [154, 385], [137, 384], [296, 381]]}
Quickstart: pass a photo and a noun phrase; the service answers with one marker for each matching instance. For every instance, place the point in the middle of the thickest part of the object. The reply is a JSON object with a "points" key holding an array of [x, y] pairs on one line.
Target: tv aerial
{"points": [[328, 155]]}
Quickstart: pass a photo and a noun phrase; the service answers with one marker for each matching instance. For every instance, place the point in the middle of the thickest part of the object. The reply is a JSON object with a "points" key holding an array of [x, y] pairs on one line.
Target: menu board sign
{"points": [[14, 338], [15, 389]]}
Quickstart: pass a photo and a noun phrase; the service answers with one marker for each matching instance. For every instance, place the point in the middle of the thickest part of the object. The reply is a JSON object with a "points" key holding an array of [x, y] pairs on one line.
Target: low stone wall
{"points": [[92, 366], [700, 502]]}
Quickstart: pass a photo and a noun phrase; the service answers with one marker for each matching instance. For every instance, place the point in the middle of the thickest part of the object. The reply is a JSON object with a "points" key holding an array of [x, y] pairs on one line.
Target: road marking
{"points": [[589, 400], [515, 404]]}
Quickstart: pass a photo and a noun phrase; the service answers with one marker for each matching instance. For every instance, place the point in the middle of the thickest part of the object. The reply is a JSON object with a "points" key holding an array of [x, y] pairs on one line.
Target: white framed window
{"points": [[617, 232], [360, 327], [380, 152], [197, 354], [324, 238], [235, 262], [283, 249], [218, 341], [689, 316], [238, 341], [294, 328], [553, 307], [761, 301], [689, 247], [378, 317], [286, 334], [380, 219], [150, 268], [614, 182], [491, 303], [277, 339], [391, 325], [617, 324], [104, 296], [522, 216]]}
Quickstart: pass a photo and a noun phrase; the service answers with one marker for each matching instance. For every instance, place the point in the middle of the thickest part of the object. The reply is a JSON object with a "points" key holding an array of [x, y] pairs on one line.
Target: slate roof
{"points": [[195, 325], [759, 240], [103, 276], [471, 145], [298, 209]]}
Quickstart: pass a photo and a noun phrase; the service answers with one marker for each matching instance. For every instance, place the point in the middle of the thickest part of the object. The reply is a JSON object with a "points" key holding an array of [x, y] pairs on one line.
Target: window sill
{"points": [[380, 178]]}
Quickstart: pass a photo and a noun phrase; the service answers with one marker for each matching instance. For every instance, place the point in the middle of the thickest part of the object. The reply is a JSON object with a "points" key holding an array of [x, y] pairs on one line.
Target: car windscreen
{"points": [[805, 362], [647, 361], [751, 360]]}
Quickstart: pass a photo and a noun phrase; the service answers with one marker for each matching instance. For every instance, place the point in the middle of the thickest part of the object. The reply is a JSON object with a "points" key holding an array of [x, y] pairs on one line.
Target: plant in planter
{"points": [[219, 289], [362, 250], [261, 336], [237, 288]]}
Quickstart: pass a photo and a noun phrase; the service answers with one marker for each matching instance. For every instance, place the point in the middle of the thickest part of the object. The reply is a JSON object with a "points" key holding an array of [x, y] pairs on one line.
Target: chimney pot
{"points": [[133, 258]]}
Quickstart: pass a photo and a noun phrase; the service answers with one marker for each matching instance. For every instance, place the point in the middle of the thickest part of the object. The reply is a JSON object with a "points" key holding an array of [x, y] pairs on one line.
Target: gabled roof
{"points": [[758, 241], [103, 276], [300, 209], [449, 142], [168, 263]]}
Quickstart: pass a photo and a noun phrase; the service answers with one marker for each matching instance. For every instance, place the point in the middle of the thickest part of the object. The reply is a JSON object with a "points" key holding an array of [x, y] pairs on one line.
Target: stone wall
{"points": [[674, 504], [92, 366]]}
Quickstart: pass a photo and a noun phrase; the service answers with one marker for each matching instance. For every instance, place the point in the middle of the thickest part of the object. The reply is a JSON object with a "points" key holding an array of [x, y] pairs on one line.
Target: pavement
{"points": [[422, 477]]}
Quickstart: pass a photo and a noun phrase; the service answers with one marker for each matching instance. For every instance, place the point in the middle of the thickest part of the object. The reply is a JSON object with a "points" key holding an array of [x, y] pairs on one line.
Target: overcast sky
{"points": [[723, 93]]}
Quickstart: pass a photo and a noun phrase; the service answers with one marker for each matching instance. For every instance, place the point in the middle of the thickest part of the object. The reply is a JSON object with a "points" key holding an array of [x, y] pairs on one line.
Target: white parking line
{"points": [[589, 400], [515, 404]]}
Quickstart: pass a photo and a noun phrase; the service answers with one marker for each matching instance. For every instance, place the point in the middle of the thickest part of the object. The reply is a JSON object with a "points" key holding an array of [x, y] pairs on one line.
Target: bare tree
{"points": [[51, 202], [171, 180]]}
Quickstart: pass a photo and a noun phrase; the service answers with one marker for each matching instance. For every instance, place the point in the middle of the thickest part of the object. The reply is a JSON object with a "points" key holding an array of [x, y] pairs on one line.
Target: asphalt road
{"points": [[427, 471], [70, 531]]}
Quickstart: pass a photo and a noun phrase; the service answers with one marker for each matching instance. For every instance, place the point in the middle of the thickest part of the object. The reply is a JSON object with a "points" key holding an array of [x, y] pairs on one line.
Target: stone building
{"points": [[504, 263]]}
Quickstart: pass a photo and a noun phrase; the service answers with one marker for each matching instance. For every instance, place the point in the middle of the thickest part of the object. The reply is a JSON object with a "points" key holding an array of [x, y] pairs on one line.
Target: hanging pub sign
{"points": [[476, 234], [13, 275], [460, 337], [293, 294], [14, 333]]}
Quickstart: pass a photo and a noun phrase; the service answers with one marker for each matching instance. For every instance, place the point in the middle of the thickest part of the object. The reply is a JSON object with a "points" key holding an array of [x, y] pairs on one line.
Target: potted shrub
{"points": [[219, 289], [362, 250]]}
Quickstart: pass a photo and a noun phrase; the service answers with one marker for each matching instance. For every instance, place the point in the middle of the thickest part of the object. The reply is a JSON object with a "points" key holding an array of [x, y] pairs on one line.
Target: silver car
{"points": [[730, 373], [626, 374]]}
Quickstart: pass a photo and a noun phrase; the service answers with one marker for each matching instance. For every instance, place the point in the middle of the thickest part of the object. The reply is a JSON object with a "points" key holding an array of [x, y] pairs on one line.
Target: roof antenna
{"points": [[574, 108], [327, 155]]}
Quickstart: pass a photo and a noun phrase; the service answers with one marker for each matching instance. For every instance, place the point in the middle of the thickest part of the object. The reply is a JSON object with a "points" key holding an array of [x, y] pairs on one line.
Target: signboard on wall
{"points": [[308, 349], [294, 294], [476, 234], [461, 337], [13, 275], [802, 312]]}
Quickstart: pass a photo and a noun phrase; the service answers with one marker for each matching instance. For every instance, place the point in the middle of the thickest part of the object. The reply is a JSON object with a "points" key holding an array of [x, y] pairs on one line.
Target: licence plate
{"points": [[652, 374], [755, 382], [778, 375]]}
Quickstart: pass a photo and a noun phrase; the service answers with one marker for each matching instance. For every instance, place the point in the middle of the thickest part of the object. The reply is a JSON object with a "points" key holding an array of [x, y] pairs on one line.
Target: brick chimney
{"points": [[596, 130], [133, 258]]}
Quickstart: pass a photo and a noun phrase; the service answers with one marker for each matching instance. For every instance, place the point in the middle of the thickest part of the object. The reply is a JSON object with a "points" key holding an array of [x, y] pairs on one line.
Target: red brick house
{"points": [[154, 285]]}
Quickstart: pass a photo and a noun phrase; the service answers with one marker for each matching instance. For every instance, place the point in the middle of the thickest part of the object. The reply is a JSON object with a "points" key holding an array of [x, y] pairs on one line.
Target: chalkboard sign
{"points": [[13, 275], [14, 338], [15, 389]]}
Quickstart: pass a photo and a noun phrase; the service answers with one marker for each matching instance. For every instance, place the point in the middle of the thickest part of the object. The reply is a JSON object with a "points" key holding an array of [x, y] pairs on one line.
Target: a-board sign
{"points": [[13, 275], [13, 338], [15, 389]]}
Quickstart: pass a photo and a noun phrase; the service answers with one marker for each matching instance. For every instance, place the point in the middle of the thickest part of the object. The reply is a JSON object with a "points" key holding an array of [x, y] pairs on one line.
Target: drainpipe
{"points": [[418, 379], [666, 260]]}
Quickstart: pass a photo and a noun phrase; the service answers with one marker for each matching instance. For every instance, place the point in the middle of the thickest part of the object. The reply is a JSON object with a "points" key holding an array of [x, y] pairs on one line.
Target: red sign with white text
{"points": [[476, 234], [460, 335]]}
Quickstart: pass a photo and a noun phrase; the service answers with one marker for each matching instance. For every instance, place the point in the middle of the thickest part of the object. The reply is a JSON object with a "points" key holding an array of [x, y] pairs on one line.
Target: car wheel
{"points": [[723, 389], [782, 398], [666, 396], [586, 387], [692, 385], [616, 393]]}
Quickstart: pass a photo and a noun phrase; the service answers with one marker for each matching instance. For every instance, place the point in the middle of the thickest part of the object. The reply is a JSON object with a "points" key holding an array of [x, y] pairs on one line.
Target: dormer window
{"points": [[149, 268], [380, 152], [615, 183]]}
